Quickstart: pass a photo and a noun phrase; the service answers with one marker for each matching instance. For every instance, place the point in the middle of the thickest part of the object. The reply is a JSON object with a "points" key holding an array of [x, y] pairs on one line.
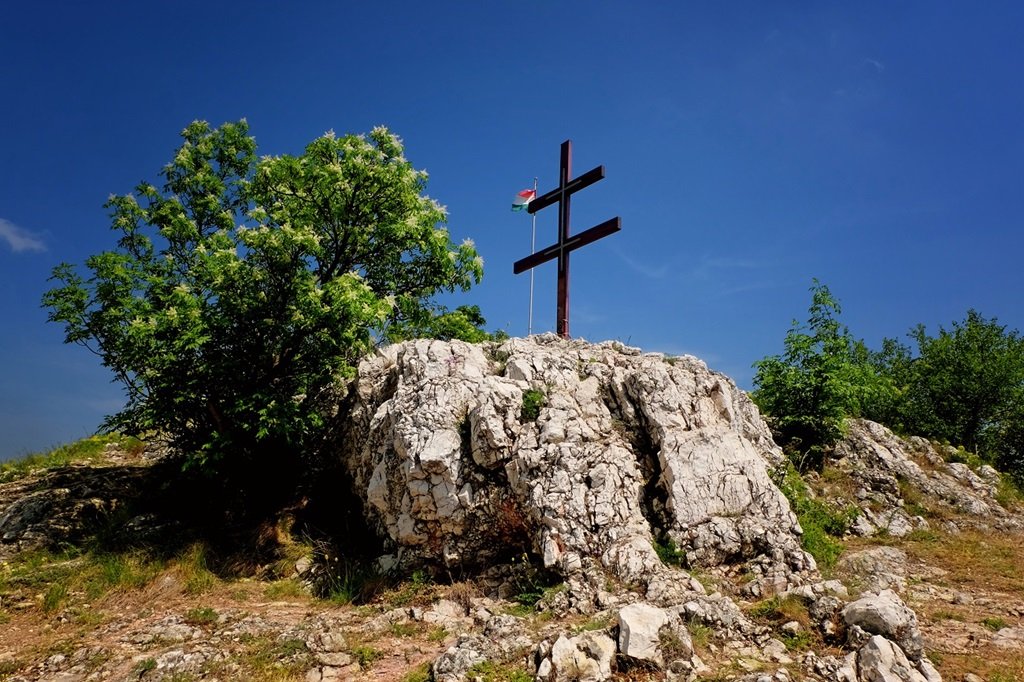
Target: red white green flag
{"points": [[523, 199]]}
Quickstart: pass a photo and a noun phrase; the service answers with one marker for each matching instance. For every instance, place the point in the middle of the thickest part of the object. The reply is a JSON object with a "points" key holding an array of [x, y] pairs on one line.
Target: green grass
{"points": [[144, 666], [994, 623], [420, 673], [366, 655], [602, 622], [700, 633], [55, 596], [349, 582], [201, 615], [289, 588], [823, 526], [404, 629], [66, 579], [801, 641], [531, 583], [669, 552], [89, 449], [269, 658], [1008, 493], [74, 581], [520, 610], [488, 671], [129, 571], [418, 589], [964, 456], [780, 610], [671, 645], [990, 561], [9, 667], [946, 614], [195, 573]]}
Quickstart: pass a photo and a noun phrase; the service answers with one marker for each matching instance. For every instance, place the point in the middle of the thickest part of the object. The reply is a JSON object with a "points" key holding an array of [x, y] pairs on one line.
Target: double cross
{"points": [[566, 243]]}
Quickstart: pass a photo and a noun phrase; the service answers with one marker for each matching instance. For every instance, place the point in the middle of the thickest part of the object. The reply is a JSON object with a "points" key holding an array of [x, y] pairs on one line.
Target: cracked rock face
{"points": [[885, 614], [879, 460], [458, 467]]}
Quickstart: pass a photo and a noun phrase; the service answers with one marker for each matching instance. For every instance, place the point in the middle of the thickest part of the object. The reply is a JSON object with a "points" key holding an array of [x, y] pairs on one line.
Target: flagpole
{"points": [[533, 249]]}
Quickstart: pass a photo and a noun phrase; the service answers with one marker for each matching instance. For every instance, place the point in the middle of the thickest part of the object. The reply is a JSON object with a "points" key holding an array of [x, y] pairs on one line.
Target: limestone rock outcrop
{"points": [[582, 454], [885, 614], [883, 466]]}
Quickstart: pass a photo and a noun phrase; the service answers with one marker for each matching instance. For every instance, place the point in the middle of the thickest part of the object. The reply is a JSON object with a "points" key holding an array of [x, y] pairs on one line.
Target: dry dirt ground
{"points": [[183, 624], [82, 616], [968, 592], [240, 629]]}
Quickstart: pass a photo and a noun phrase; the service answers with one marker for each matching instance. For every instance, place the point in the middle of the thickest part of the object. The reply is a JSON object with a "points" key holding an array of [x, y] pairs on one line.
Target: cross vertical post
{"points": [[565, 172], [566, 243]]}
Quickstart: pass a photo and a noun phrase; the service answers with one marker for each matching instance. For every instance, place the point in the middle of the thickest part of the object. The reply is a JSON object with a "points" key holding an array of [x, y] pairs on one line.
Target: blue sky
{"points": [[749, 147]]}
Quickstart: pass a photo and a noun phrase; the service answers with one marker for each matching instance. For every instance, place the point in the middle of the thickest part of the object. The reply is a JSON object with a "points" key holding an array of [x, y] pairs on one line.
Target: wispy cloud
{"points": [[645, 269], [711, 267], [745, 288], [18, 238], [879, 66], [729, 276]]}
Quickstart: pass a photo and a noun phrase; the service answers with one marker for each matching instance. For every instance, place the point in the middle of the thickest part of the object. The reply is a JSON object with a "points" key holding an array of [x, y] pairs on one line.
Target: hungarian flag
{"points": [[523, 199]]}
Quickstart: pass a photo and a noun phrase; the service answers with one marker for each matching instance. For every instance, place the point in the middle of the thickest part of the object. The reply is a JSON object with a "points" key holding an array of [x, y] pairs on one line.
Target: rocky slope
{"points": [[624, 449], [629, 495]]}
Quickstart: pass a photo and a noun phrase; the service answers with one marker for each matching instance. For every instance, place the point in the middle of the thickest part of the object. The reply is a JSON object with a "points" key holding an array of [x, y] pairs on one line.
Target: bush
{"points": [[533, 401], [966, 386], [822, 377], [240, 291]]}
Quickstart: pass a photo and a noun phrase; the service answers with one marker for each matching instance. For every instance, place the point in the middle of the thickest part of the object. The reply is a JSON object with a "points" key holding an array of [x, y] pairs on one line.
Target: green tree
{"points": [[465, 323], [966, 386], [822, 377], [244, 288]]}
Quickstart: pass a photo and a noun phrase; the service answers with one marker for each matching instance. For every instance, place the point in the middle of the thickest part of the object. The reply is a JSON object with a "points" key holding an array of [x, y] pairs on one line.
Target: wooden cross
{"points": [[566, 243]]}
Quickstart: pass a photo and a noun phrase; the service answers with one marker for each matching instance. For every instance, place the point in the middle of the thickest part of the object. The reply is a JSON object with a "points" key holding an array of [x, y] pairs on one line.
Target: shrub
{"points": [[243, 287], [669, 552], [822, 377], [533, 401]]}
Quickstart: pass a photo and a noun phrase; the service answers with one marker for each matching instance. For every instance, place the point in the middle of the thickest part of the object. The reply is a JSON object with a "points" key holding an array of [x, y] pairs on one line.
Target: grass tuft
{"points": [[994, 623], [489, 671], [669, 552], [201, 615], [420, 673], [195, 573], [366, 655], [55, 596]]}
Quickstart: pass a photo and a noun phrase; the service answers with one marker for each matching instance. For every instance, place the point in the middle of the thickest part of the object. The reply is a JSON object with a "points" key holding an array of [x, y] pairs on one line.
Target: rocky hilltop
{"points": [[541, 509], [594, 452]]}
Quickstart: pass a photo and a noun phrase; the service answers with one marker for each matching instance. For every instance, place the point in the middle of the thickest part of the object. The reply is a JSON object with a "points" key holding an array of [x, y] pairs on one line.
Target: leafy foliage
{"points": [[964, 386], [239, 291], [464, 323], [669, 552], [822, 377], [533, 401]]}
